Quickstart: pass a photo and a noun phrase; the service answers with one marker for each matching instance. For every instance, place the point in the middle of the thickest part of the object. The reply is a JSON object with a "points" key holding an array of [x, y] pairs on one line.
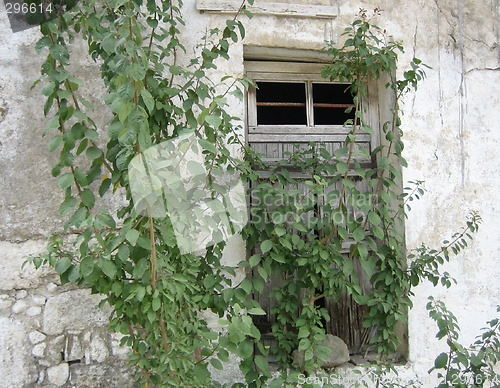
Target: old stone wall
{"points": [[53, 335]]}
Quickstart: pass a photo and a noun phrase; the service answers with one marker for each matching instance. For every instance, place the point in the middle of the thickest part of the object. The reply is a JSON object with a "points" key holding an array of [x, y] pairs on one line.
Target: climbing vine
{"points": [[348, 214], [157, 293], [156, 91]]}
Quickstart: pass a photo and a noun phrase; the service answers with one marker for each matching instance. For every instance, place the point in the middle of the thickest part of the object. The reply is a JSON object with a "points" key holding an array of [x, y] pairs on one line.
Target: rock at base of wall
{"points": [[339, 352]]}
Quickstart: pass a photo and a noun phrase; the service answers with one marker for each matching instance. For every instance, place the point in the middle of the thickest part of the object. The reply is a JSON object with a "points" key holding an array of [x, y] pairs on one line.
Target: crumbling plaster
{"points": [[451, 136]]}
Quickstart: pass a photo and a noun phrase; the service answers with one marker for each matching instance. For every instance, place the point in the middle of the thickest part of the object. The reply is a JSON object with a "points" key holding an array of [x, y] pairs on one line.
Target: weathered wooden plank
{"points": [[276, 137], [255, 53], [259, 69], [269, 8], [301, 129]]}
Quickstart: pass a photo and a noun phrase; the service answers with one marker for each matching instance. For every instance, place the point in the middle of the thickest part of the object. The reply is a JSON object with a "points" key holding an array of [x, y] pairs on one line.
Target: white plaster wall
{"points": [[452, 137]]}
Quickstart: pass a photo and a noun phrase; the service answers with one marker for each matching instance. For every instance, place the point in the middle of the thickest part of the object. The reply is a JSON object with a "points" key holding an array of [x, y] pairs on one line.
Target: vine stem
{"points": [[144, 372], [152, 281], [443, 249]]}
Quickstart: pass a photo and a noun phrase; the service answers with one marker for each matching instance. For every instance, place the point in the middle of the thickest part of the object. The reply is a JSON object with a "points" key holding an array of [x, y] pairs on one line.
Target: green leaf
{"points": [[214, 121], [342, 167], [266, 246], [308, 355], [363, 251], [108, 267], [279, 383], [55, 143], [124, 111], [256, 311], [262, 364], [48, 89], [304, 344], [65, 181], [368, 266], [106, 219], [196, 168], [132, 236], [348, 267], [263, 272], [53, 123], [86, 266], [93, 153], [80, 177], [374, 218], [109, 44], [207, 145], [62, 265], [280, 230], [383, 162], [343, 233], [104, 186], [88, 198], [81, 147], [117, 288], [216, 363], [136, 71], [358, 234], [67, 206], [283, 241], [148, 100], [304, 332], [156, 304], [258, 284], [245, 349], [140, 268], [59, 53], [254, 260], [123, 252], [377, 232], [87, 103], [74, 274], [247, 286], [42, 43], [441, 361]]}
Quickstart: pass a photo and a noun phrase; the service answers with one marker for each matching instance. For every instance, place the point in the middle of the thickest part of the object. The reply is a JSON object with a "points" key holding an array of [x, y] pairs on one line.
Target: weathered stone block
{"points": [[98, 349], [38, 350], [34, 310], [58, 374], [19, 307], [74, 349], [36, 337], [5, 302], [12, 257], [17, 365], [73, 310], [118, 374]]}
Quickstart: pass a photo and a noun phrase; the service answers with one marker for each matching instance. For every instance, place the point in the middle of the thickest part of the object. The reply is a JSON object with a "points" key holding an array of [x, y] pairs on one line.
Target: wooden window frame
{"points": [[269, 8], [377, 103], [308, 73]]}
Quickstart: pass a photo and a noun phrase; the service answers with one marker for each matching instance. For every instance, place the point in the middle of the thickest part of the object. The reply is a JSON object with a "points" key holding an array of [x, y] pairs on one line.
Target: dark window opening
{"points": [[280, 103], [330, 102]]}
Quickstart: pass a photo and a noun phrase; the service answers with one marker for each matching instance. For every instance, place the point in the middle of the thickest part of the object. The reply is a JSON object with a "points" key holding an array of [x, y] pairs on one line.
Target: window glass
{"points": [[281, 103], [330, 102]]}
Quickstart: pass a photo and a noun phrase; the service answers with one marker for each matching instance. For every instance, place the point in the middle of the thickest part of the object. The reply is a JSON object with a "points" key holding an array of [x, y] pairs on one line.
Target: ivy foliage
{"points": [[311, 231], [156, 91], [473, 366], [316, 216], [156, 292]]}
